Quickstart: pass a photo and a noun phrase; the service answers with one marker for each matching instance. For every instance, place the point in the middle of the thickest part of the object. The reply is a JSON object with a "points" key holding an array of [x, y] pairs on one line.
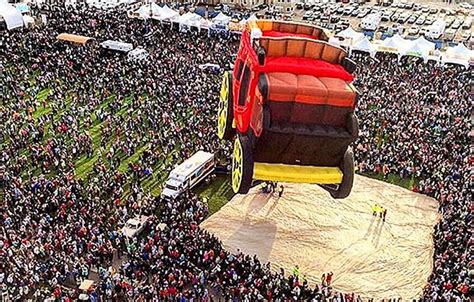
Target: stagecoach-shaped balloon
{"points": [[288, 105]]}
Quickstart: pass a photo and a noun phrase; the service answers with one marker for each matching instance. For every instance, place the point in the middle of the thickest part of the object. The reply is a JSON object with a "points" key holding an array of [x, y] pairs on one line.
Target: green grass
{"points": [[218, 192]]}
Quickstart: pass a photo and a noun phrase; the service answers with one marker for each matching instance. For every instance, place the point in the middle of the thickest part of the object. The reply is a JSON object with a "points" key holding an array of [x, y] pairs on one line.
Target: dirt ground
{"points": [[308, 228]]}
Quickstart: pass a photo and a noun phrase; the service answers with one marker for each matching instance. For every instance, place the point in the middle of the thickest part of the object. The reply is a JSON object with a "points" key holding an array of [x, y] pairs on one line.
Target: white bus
{"points": [[188, 174]]}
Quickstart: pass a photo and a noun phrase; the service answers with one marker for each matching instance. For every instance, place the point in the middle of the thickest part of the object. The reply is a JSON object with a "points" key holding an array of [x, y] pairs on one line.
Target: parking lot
{"points": [[409, 19]]}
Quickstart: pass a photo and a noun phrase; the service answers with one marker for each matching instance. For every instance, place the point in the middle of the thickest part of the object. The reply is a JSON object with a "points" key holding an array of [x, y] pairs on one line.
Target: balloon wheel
{"points": [[237, 165], [223, 105]]}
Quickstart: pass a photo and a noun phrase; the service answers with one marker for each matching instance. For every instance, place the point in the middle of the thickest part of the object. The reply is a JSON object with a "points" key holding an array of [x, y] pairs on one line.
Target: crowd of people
{"points": [[87, 136], [415, 124]]}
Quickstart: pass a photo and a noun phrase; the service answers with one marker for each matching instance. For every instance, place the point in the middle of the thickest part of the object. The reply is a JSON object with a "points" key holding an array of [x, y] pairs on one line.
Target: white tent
{"points": [[365, 46], [418, 48], [167, 13], [458, 54], [11, 15], [423, 43], [394, 44], [189, 20], [221, 19], [205, 23], [149, 10], [351, 34]]}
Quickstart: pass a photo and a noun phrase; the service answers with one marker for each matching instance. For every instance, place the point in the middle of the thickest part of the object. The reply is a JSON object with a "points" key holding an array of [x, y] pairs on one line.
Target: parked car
{"points": [[348, 10], [456, 24], [403, 18], [387, 15], [417, 7], [413, 30], [447, 11], [467, 24], [345, 22], [355, 12], [433, 10], [307, 15], [425, 9], [334, 19], [466, 35], [423, 30], [299, 5], [449, 34], [420, 21], [394, 17], [383, 28], [364, 12], [430, 20], [412, 19], [409, 5], [449, 21]]}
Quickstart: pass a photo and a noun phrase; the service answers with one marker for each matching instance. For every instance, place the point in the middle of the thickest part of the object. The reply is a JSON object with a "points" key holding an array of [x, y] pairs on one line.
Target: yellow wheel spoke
{"points": [[222, 111], [237, 165]]}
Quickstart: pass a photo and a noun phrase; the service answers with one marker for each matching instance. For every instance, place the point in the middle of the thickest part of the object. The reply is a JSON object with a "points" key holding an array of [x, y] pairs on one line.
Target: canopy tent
{"points": [[189, 20], [221, 19], [11, 15], [149, 10], [418, 48], [458, 54], [350, 34], [415, 50], [74, 38], [366, 46], [394, 44], [167, 13], [422, 42], [205, 23]]}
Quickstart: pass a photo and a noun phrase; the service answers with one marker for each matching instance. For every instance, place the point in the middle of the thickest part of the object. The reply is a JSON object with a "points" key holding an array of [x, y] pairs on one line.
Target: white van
{"points": [[188, 174], [371, 22], [436, 30]]}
